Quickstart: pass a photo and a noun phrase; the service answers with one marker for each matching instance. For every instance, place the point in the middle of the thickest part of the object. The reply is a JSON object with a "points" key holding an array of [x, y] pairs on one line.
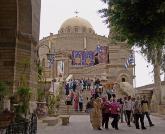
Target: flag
{"points": [[130, 61], [98, 49], [51, 59]]}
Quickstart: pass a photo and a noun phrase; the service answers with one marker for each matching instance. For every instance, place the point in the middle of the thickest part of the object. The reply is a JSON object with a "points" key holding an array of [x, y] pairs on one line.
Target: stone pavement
{"points": [[79, 124]]}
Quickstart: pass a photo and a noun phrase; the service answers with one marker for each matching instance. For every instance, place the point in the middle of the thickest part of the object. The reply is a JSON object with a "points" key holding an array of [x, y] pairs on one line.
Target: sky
{"points": [[55, 12]]}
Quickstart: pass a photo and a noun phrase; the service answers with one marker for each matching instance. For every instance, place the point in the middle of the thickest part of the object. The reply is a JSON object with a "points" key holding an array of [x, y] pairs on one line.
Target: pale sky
{"points": [[55, 12]]}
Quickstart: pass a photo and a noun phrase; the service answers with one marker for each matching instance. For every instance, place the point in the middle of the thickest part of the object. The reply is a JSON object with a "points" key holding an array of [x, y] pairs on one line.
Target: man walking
{"points": [[137, 110], [145, 110]]}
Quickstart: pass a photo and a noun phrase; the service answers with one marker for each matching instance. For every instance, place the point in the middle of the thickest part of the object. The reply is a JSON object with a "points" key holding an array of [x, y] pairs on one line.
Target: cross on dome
{"points": [[76, 12]]}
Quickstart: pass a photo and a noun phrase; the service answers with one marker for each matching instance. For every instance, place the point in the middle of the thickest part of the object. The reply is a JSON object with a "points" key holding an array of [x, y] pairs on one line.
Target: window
{"points": [[90, 30], [123, 79], [43, 62], [68, 30], [62, 30], [84, 29], [76, 29]]}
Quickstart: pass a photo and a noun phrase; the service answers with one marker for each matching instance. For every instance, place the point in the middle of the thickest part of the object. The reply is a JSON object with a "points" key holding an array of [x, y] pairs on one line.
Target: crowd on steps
{"points": [[103, 105]]}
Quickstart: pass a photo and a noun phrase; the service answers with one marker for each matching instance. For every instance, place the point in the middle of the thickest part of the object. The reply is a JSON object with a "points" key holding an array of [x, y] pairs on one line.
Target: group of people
{"points": [[134, 110], [101, 107], [74, 92]]}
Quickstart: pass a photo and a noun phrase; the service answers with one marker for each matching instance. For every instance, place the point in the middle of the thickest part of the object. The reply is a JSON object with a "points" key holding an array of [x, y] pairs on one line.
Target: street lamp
{"points": [[50, 58]]}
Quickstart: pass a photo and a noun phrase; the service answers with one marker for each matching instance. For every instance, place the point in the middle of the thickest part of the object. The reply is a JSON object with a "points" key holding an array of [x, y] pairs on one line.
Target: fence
{"points": [[27, 127]]}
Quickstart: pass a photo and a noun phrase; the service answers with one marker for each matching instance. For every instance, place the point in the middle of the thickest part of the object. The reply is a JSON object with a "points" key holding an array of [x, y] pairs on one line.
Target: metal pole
{"points": [[53, 77], [134, 71]]}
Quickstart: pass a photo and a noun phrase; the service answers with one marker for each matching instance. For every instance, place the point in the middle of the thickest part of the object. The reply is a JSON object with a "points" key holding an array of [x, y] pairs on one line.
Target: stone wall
{"points": [[19, 35], [147, 90], [8, 27]]}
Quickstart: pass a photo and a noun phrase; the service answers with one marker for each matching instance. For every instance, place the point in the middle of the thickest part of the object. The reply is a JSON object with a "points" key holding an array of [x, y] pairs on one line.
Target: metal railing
{"points": [[27, 127]]}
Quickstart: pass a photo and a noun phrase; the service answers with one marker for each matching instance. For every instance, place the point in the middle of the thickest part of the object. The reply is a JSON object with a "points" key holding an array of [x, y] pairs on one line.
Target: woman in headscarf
{"points": [[96, 114]]}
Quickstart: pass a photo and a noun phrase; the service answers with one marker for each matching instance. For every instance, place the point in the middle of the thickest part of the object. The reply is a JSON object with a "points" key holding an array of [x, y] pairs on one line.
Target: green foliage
{"points": [[41, 95], [58, 97], [40, 71], [24, 94], [51, 104], [3, 89], [140, 22]]}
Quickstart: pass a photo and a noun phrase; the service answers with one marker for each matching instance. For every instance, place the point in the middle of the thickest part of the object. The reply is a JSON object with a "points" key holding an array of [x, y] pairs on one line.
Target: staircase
{"points": [[62, 109]]}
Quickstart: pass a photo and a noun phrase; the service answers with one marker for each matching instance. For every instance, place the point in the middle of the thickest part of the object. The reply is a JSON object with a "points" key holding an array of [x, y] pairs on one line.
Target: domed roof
{"points": [[76, 22]]}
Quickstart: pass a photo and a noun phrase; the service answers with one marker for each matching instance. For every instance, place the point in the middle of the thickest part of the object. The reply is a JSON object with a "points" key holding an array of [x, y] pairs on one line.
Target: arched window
{"points": [[68, 29], [76, 29], [123, 79], [62, 30], [43, 62]]}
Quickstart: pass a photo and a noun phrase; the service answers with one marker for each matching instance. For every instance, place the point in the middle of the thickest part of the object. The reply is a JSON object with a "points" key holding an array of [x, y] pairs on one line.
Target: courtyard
{"points": [[79, 124]]}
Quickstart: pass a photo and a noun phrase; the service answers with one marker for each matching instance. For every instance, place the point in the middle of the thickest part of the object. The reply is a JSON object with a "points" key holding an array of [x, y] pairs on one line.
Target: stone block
{"points": [[65, 119], [51, 121]]}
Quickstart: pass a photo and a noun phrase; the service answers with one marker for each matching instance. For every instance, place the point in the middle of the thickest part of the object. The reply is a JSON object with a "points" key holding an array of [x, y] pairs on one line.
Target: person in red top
{"points": [[76, 101], [115, 111], [105, 112]]}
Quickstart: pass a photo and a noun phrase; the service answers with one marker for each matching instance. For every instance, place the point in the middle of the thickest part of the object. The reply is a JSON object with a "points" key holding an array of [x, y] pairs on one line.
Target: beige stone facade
{"points": [[148, 91], [77, 33]]}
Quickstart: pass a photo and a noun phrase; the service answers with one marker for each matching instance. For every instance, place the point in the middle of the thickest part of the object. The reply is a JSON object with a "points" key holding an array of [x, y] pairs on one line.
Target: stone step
{"points": [[51, 121], [73, 113], [62, 107]]}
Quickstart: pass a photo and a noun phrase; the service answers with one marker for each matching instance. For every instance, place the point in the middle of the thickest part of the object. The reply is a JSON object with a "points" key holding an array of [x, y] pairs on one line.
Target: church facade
{"points": [[76, 35]]}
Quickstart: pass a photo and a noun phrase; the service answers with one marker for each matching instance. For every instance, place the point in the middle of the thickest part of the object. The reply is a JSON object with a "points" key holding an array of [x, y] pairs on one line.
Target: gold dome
{"points": [[76, 22]]}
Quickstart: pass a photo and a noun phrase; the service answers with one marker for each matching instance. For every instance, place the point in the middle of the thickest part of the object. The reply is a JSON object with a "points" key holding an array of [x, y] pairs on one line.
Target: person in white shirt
{"points": [[128, 109]]}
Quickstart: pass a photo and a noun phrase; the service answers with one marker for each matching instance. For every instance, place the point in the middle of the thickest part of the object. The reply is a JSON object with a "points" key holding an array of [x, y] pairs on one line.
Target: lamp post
{"points": [[50, 58]]}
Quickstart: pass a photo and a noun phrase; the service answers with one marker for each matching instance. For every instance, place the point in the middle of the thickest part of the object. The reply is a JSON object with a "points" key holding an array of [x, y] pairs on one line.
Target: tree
{"points": [[140, 23]]}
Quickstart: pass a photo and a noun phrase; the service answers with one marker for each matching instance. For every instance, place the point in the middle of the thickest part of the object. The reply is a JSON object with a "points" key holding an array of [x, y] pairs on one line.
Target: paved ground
{"points": [[79, 124]]}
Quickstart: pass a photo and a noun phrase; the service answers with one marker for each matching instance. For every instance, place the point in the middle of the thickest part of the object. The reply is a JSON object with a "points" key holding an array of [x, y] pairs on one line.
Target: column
{"points": [[85, 43]]}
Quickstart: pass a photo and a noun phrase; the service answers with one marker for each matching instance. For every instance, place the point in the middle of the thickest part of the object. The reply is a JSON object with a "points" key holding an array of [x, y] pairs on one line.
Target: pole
{"points": [[53, 77], [134, 72]]}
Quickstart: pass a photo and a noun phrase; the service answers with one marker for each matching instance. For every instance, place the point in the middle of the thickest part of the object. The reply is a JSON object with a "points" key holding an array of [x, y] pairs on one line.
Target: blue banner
{"points": [[83, 58]]}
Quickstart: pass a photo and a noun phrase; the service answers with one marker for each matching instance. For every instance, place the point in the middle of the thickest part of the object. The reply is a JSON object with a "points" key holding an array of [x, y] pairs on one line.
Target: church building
{"points": [[79, 51]]}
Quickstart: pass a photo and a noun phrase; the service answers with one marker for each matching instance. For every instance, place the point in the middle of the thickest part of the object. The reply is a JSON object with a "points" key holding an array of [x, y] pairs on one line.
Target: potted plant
{"points": [[41, 95], [52, 104], [3, 93], [24, 94]]}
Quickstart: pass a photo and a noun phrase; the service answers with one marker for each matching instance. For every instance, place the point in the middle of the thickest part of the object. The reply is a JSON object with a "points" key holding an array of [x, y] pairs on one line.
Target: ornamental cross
{"points": [[76, 12]]}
